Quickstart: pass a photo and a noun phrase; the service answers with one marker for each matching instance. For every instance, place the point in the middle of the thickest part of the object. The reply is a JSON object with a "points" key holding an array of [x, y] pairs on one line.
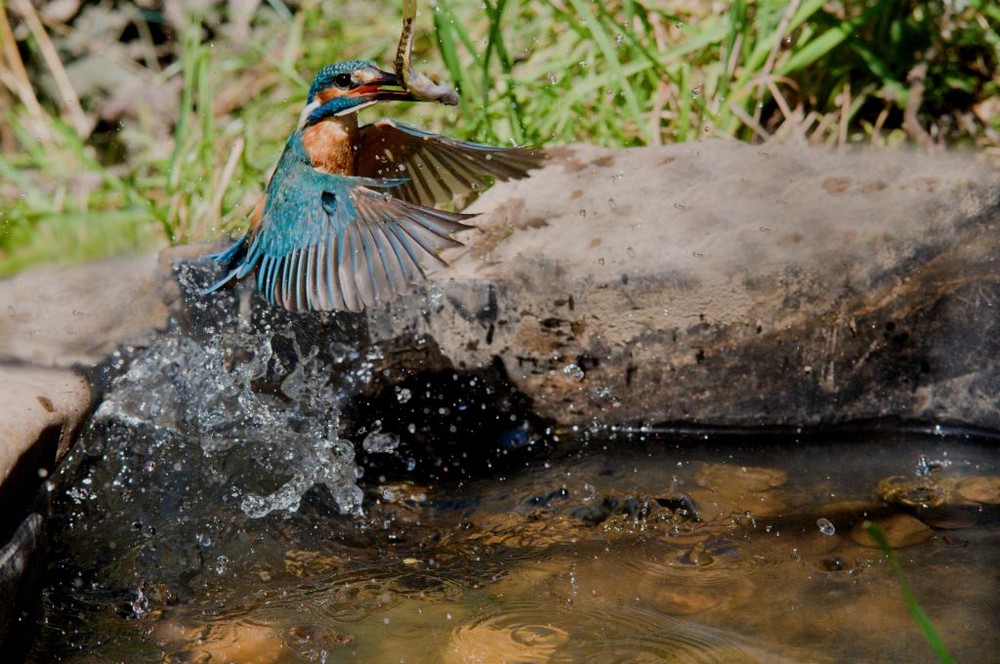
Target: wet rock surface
{"points": [[728, 284], [40, 412]]}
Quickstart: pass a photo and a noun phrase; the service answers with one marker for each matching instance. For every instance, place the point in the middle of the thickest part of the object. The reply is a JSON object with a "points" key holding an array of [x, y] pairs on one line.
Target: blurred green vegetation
{"points": [[126, 127]]}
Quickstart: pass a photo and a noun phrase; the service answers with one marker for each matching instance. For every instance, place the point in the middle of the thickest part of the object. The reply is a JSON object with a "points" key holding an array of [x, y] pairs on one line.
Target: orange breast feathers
{"points": [[330, 144]]}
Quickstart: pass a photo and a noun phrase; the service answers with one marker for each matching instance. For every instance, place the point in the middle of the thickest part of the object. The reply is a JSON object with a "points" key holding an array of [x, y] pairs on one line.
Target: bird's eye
{"points": [[342, 80]]}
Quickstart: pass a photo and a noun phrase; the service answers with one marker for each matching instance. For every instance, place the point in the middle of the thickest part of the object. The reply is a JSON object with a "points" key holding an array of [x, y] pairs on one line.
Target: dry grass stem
{"points": [[77, 118], [845, 111], [220, 187]]}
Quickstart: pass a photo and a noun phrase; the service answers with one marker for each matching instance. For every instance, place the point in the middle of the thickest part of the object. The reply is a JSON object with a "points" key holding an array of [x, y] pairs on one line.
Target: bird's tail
{"points": [[230, 259]]}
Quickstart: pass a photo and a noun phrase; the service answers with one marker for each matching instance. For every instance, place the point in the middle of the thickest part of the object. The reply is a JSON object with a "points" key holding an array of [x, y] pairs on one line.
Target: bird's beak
{"points": [[377, 85]]}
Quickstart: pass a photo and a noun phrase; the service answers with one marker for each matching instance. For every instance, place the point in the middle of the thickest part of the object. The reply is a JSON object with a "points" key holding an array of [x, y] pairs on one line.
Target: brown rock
{"points": [[60, 317], [40, 411], [707, 283], [730, 284]]}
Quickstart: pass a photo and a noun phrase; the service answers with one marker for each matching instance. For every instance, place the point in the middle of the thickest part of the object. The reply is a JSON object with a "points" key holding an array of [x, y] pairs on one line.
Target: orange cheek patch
{"points": [[327, 94]]}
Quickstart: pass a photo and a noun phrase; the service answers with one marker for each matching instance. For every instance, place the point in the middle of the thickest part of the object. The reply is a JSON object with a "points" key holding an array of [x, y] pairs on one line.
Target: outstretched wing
{"points": [[439, 170], [329, 242]]}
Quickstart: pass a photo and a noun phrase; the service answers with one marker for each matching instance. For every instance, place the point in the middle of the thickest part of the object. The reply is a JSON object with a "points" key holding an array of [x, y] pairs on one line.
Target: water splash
{"points": [[259, 396]]}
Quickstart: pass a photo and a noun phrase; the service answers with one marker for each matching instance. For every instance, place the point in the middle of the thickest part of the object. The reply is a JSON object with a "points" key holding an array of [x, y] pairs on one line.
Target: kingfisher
{"points": [[353, 213]]}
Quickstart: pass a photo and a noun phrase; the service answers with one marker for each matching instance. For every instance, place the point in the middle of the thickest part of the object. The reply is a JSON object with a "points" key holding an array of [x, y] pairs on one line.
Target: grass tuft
{"points": [[160, 127]]}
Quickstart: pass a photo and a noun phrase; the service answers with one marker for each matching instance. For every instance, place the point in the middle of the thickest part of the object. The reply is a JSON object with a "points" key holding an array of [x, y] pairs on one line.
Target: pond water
{"points": [[212, 513], [593, 556]]}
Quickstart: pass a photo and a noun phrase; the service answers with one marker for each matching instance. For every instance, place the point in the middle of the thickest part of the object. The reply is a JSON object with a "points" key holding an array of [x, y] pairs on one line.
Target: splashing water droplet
{"points": [[140, 605], [380, 443]]}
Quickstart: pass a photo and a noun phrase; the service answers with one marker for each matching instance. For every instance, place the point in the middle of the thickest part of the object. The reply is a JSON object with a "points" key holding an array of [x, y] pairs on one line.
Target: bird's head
{"points": [[348, 87]]}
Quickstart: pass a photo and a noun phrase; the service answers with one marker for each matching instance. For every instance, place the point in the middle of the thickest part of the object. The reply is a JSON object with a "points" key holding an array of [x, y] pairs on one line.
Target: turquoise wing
{"points": [[438, 170], [330, 242]]}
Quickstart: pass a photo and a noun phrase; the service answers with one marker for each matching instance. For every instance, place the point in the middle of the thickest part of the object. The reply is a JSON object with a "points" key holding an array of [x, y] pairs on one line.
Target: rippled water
{"points": [[593, 556], [213, 513]]}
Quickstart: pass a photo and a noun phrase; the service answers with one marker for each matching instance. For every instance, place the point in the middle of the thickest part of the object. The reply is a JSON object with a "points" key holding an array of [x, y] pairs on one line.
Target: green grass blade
{"points": [[817, 48], [919, 616], [607, 47]]}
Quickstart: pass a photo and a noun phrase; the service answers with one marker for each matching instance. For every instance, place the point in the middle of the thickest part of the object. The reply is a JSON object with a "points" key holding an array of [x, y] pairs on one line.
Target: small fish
{"points": [[417, 84]]}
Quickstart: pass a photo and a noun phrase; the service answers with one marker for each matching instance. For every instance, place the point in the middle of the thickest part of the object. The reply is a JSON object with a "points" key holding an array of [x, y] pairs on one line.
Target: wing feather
{"points": [[329, 242], [441, 170]]}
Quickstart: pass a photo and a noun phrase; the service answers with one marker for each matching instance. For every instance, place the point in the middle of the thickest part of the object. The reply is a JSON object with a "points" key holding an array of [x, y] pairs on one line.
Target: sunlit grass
{"points": [[537, 72]]}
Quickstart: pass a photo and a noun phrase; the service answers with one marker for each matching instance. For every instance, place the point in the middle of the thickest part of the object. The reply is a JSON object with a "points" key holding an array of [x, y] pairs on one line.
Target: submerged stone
{"points": [[910, 492], [953, 515], [980, 489], [728, 489], [901, 530]]}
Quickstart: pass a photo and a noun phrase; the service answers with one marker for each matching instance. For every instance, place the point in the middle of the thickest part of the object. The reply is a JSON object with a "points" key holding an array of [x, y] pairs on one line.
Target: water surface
{"points": [[616, 549]]}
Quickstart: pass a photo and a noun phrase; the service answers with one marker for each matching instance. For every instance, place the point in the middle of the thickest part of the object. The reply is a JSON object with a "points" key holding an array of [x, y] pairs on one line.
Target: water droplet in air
{"points": [[826, 526], [403, 395], [573, 371]]}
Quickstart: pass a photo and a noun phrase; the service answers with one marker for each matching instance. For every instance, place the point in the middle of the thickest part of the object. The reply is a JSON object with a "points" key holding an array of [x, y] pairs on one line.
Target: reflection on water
{"points": [[617, 550]]}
